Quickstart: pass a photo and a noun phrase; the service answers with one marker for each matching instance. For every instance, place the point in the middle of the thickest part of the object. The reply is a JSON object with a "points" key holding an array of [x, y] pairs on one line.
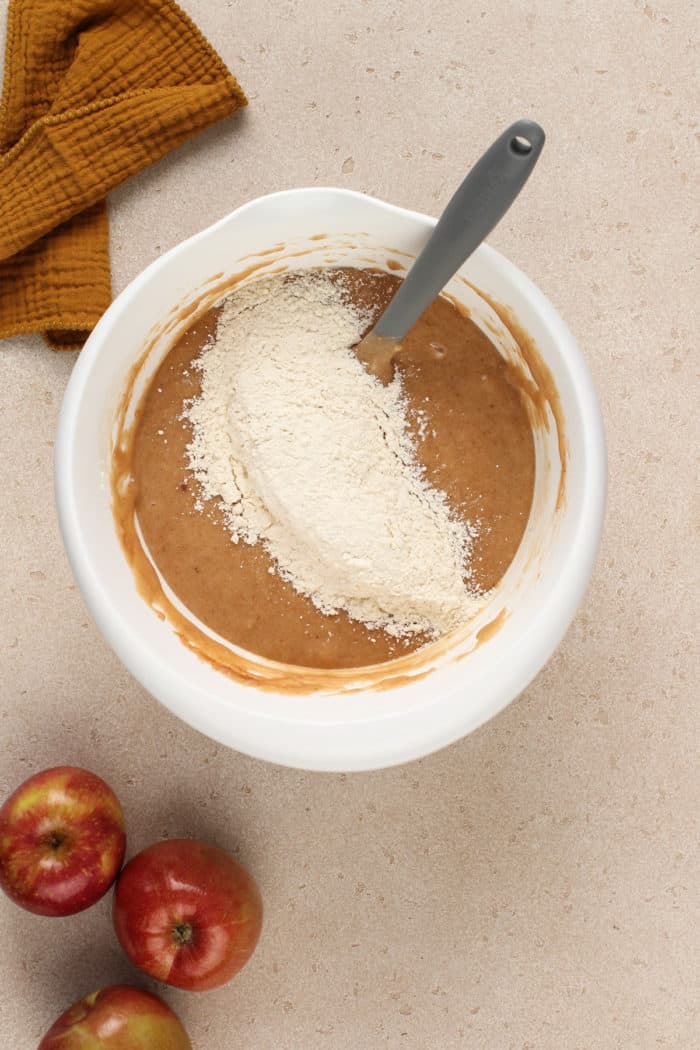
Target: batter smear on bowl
{"points": [[309, 513]]}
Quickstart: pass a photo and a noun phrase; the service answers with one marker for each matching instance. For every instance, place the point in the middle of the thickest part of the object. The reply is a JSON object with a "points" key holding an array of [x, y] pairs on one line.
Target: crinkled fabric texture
{"points": [[94, 91]]}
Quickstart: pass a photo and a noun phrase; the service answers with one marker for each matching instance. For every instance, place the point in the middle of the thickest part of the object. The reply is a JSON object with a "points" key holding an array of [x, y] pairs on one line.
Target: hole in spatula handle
{"points": [[520, 145]]}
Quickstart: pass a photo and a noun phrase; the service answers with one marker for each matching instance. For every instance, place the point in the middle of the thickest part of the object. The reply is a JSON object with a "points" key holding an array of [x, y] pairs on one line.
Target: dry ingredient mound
{"points": [[311, 457]]}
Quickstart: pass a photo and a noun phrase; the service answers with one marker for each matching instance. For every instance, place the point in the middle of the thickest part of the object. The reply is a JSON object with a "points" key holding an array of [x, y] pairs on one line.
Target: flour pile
{"points": [[311, 457]]}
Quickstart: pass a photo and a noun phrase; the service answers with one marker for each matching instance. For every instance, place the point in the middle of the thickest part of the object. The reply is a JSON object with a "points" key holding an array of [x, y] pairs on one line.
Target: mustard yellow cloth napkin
{"points": [[94, 91]]}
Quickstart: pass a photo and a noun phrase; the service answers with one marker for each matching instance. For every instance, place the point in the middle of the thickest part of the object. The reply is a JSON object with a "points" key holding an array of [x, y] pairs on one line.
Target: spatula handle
{"points": [[478, 205]]}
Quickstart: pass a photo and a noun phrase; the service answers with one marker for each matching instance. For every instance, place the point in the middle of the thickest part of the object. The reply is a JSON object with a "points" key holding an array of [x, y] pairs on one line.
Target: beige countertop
{"points": [[535, 885]]}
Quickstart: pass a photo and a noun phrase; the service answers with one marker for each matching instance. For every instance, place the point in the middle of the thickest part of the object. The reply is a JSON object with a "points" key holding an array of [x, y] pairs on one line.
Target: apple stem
{"points": [[182, 934]]}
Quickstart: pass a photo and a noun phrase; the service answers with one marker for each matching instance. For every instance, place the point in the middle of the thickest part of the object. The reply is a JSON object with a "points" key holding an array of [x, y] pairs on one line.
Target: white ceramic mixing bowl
{"points": [[469, 681]]}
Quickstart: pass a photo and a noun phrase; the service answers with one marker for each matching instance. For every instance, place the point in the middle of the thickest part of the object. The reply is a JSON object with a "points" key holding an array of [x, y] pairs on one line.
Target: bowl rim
{"points": [[340, 733]]}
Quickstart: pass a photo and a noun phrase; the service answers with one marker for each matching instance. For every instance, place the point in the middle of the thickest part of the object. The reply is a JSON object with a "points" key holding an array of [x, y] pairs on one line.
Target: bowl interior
{"points": [[486, 664]]}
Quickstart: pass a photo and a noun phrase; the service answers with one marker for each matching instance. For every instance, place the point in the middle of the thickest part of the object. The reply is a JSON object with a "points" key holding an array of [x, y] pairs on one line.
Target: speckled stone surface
{"points": [[536, 885]]}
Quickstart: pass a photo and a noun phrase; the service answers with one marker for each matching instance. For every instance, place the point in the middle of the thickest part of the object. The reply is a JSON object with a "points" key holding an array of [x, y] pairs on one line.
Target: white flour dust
{"points": [[311, 457]]}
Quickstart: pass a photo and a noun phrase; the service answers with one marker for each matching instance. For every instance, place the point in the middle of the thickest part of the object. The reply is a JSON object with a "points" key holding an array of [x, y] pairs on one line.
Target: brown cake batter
{"points": [[473, 437]]}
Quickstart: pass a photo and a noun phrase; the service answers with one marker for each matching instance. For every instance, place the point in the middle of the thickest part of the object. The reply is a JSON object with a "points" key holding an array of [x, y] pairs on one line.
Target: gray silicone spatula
{"points": [[478, 205]]}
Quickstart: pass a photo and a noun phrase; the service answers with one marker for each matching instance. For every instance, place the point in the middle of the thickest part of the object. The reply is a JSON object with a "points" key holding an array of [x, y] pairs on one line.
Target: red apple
{"points": [[62, 841], [117, 1018], [187, 914]]}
